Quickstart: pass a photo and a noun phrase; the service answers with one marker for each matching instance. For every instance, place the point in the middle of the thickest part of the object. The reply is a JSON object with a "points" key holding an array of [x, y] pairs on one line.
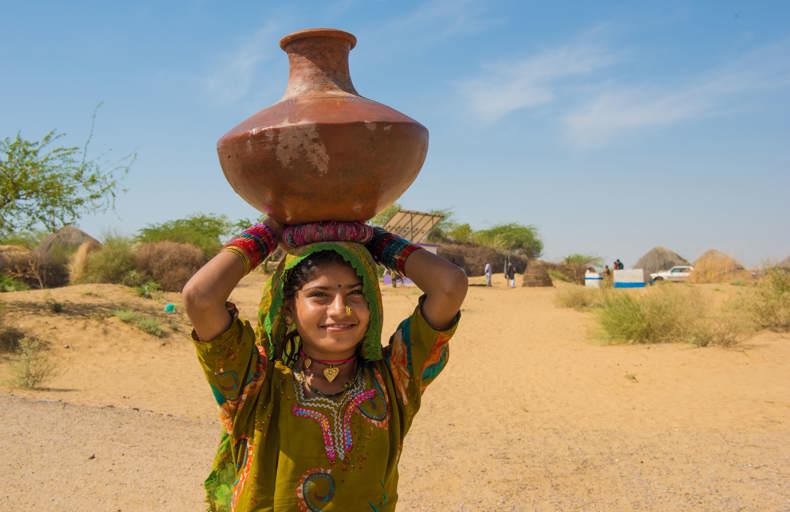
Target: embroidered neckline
{"points": [[333, 415]]}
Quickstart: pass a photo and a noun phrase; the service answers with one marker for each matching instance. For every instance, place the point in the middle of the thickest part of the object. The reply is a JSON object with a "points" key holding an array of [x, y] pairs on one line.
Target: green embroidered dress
{"points": [[284, 451]]}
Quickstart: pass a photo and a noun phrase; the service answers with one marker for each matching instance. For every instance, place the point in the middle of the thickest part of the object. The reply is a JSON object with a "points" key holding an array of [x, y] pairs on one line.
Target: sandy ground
{"points": [[532, 413]]}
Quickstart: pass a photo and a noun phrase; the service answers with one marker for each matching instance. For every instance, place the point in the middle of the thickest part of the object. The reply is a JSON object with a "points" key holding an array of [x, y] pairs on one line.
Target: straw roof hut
{"points": [[536, 275], [63, 242], [57, 251], [715, 267], [658, 259], [473, 258]]}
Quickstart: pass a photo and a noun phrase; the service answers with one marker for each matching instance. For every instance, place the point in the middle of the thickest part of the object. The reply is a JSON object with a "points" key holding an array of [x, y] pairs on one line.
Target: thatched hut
{"points": [[715, 267], [537, 275], [64, 242], [473, 258], [658, 259], [56, 253]]}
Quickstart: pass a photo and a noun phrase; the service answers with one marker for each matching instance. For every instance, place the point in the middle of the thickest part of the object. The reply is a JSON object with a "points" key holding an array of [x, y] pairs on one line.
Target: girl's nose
{"points": [[338, 305]]}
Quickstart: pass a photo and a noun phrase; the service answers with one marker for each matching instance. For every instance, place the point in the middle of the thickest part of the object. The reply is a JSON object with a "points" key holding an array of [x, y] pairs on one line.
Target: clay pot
{"points": [[322, 152]]}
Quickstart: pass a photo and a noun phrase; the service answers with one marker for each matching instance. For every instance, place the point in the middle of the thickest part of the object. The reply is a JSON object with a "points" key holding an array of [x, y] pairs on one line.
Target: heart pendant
{"points": [[307, 362], [330, 372]]}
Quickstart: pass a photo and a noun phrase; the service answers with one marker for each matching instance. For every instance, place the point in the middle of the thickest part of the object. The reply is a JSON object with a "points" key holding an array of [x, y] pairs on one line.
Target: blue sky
{"points": [[611, 126]]}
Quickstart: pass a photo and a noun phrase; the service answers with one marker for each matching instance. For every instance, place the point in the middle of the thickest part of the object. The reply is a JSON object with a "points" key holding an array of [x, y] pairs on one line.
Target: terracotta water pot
{"points": [[322, 152]]}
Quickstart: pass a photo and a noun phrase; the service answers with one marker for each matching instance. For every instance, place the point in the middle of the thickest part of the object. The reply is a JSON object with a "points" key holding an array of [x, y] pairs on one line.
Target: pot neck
{"points": [[319, 66]]}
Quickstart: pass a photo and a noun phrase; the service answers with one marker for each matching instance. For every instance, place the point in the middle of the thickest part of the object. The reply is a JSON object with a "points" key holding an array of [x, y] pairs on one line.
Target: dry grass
{"points": [[33, 365], [170, 264], [147, 324], [666, 314], [580, 297], [769, 303]]}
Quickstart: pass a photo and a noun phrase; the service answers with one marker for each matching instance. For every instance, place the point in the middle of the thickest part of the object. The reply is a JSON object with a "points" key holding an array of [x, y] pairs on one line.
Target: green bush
{"points": [[203, 231], [148, 289], [580, 297], [145, 323], [661, 315], [671, 314], [770, 302], [10, 284], [113, 263], [27, 239]]}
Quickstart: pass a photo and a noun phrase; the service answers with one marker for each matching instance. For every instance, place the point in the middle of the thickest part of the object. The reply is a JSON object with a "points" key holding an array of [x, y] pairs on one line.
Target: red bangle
{"points": [[253, 245]]}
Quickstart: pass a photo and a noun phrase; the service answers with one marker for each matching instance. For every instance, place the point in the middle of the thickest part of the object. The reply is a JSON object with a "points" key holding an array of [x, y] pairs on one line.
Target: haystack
{"points": [[79, 259], [17, 261], [715, 267], [660, 258], [536, 275]]}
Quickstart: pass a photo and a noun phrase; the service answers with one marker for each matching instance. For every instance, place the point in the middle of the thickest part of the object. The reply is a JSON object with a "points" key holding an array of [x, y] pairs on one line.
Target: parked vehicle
{"points": [[676, 273]]}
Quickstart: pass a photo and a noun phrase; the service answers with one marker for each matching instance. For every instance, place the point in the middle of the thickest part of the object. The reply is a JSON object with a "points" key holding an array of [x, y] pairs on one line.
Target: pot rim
{"points": [[318, 32]]}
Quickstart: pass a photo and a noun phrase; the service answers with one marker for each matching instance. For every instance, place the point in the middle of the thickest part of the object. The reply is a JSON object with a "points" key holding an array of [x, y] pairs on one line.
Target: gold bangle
{"points": [[245, 260]]}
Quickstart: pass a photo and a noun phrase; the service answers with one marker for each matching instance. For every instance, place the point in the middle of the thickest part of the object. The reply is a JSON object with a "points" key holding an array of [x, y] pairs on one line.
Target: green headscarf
{"points": [[272, 328]]}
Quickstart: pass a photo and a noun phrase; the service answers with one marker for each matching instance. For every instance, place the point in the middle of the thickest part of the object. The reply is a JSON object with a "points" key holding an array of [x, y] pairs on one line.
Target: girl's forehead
{"points": [[333, 274]]}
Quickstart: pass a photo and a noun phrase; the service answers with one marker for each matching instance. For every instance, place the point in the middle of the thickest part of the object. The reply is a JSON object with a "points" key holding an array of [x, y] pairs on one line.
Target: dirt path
{"points": [[530, 414]]}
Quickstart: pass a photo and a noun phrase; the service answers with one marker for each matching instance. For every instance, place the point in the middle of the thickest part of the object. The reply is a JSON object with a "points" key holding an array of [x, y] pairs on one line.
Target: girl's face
{"points": [[331, 313]]}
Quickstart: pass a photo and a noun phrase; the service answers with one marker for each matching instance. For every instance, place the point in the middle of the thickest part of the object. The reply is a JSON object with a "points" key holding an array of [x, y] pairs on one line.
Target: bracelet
{"points": [[391, 250], [253, 245], [329, 231]]}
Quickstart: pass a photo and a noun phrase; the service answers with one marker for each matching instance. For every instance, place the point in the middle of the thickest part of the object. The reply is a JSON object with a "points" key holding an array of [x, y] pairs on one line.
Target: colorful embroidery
{"points": [[399, 365], [227, 410], [436, 360], [335, 420], [245, 451], [315, 489], [376, 410]]}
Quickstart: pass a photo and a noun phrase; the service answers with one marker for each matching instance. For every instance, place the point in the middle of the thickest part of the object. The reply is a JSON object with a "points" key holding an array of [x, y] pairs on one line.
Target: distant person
{"points": [[487, 271], [618, 265], [510, 275]]}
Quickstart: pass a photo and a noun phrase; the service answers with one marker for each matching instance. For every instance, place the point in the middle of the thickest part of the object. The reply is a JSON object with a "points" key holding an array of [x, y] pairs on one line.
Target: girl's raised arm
{"points": [[205, 293], [444, 283]]}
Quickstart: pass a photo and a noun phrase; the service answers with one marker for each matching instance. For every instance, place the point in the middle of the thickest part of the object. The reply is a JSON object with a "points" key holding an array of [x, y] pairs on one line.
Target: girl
{"points": [[314, 410]]}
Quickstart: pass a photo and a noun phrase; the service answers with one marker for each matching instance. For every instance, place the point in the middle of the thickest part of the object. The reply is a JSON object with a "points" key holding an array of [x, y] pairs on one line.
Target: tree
{"points": [[203, 231], [584, 260], [580, 263], [523, 240], [42, 184]]}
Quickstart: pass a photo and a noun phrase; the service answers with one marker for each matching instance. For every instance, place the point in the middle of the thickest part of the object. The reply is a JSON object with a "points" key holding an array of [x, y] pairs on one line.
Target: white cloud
{"points": [[619, 110], [440, 19], [232, 78], [509, 86]]}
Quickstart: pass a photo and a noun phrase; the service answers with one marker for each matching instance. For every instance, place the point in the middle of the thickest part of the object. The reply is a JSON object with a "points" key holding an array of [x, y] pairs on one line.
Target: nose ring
{"points": [[348, 310]]}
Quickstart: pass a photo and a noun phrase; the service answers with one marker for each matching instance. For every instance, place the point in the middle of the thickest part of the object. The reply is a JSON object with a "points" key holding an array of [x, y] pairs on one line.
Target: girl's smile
{"points": [[331, 312]]}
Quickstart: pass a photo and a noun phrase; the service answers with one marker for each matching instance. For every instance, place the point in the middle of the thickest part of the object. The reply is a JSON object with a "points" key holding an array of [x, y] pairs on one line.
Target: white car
{"points": [[676, 273]]}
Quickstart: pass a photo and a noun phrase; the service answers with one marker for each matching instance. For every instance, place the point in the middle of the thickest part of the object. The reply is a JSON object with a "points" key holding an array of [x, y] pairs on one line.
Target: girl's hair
{"points": [[305, 271], [298, 277]]}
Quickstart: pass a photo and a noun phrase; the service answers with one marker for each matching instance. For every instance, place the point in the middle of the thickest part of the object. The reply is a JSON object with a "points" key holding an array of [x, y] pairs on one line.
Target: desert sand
{"points": [[531, 413]]}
